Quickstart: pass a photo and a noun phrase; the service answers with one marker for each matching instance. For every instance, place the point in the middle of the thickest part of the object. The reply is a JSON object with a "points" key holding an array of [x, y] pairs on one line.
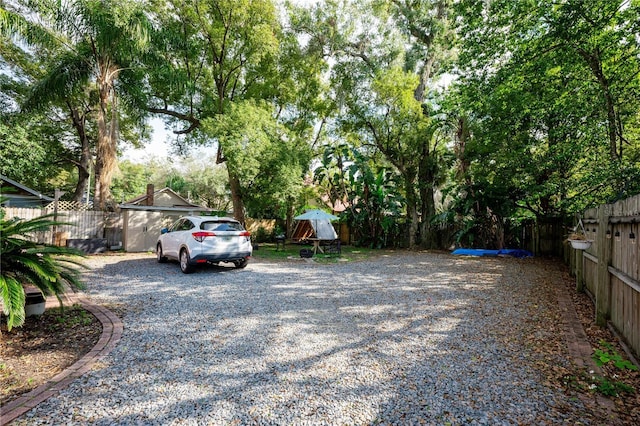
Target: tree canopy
{"points": [[413, 115]]}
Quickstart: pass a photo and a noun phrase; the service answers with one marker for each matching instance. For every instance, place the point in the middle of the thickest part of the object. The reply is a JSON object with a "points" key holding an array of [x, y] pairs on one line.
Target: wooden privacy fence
{"points": [[81, 225], [608, 269]]}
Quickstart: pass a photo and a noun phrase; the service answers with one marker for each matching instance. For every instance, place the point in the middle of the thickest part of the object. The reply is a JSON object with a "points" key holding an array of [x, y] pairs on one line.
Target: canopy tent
{"points": [[314, 224]]}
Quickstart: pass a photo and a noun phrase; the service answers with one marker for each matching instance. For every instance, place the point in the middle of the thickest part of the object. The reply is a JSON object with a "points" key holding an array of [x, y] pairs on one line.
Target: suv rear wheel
{"points": [[242, 263]]}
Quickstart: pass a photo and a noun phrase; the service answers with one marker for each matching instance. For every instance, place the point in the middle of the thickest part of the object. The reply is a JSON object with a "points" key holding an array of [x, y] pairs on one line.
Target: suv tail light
{"points": [[201, 235], [245, 234]]}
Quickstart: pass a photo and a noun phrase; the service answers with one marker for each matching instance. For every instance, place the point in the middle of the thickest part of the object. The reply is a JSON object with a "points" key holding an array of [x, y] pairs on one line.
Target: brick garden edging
{"points": [[112, 328]]}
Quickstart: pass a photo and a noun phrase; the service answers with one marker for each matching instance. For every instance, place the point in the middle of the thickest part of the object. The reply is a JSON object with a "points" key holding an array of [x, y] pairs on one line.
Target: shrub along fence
{"points": [[608, 270]]}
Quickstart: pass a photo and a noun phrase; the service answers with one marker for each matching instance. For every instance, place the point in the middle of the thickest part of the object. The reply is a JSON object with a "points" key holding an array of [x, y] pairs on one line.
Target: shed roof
{"points": [[21, 195], [164, 199]]}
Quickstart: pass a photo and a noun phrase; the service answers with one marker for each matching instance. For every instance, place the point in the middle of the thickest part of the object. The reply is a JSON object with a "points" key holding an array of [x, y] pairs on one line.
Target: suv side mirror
{"points": [[164, 231]]}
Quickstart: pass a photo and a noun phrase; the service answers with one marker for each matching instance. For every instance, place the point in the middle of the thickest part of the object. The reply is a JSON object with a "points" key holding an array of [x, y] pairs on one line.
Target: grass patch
{"points": [[268, 251]]}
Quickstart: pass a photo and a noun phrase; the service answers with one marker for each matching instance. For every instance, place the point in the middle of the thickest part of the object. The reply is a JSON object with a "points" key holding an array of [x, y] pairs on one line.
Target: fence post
{"points": [[572, 260], [54, 228], [579, 271], [603, 287]]}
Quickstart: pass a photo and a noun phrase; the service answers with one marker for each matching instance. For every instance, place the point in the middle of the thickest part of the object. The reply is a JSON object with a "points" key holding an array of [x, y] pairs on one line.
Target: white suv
{"points": [[194, 240]]}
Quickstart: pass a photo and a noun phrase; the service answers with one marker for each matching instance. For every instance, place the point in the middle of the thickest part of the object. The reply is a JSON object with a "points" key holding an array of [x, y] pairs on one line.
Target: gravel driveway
{"points": [[406, 338]]}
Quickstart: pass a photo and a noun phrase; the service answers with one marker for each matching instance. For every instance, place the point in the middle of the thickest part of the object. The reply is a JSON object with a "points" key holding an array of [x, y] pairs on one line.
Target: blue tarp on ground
{"points": [[484, 252]]}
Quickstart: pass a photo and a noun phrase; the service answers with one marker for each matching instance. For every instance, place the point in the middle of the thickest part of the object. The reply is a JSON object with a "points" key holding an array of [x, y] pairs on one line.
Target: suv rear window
{"points": [[221, 226]]}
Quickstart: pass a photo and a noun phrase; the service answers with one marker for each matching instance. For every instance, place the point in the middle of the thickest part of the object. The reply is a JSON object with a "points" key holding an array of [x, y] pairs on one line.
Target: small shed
{"points": [[18, 195], [144, 217]]}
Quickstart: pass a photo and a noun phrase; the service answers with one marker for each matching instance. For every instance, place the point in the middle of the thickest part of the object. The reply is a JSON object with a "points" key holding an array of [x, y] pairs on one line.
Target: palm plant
{"points": [[90, 44], [24, 261]]}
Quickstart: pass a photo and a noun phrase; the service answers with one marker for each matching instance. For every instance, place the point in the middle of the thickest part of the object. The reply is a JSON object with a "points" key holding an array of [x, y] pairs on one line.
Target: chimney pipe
{"points": [[150, 192]]}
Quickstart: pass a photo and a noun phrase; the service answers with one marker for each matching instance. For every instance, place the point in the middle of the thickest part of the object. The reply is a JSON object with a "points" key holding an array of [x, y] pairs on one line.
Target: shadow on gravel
{"points": [[404, 339]]}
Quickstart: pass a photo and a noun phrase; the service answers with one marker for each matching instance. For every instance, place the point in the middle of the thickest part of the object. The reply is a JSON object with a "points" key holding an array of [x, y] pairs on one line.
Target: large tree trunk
{"points": [[594, 62], [106, 161], [426, 179], [426, 174], [236, 197], [412, 207], [83, 176], [428, 236], [289, 220], [106, 149], [84, 163], [235, 188]]}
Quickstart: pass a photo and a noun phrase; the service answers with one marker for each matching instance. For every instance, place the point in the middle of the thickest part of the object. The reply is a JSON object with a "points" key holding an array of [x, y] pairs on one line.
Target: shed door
{"points": [[143, 230]]}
